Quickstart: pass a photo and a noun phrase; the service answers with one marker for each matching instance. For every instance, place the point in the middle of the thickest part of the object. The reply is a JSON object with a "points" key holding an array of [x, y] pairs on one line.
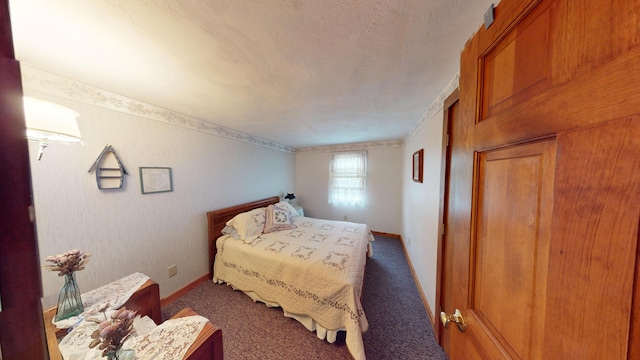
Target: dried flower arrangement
{"points": [[111, 334], [68, 262]]}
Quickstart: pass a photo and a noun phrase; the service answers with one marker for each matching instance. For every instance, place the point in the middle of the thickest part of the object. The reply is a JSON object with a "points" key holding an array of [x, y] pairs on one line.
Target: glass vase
{"points": [[121, 354], [69, 300]]}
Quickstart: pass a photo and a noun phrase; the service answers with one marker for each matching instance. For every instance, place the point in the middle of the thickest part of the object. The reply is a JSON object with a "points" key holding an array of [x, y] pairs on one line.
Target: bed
{"points": [[312, 268]]}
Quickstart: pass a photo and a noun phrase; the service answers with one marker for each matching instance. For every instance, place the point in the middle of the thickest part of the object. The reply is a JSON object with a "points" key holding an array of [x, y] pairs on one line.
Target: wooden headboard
{"points": [[217, 219]]}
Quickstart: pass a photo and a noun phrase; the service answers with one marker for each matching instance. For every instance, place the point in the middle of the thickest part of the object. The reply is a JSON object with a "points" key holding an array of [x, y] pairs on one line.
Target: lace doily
{"points": [[116, 293], [167, 341], [75, 345]]}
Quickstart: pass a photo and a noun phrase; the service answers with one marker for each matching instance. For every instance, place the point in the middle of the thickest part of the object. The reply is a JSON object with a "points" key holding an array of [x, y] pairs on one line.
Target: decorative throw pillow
{"points": [[285, 205], [248, 224], [276, 219]]}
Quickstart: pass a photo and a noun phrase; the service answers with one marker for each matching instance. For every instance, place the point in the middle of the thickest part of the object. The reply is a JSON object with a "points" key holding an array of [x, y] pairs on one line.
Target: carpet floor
{"points": [[399, 327]]}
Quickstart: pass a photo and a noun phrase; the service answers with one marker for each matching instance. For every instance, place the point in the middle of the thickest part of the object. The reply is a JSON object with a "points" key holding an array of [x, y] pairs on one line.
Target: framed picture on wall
{"points": [[417, 165], [156, 180]]}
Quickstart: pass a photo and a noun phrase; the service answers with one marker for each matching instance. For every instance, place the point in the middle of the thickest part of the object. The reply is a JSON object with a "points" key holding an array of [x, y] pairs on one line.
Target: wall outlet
{"points": [[172, 270]]}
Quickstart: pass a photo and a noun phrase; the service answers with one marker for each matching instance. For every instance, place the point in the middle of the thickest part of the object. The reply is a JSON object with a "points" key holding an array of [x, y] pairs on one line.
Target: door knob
{"points": [[455, 317]]}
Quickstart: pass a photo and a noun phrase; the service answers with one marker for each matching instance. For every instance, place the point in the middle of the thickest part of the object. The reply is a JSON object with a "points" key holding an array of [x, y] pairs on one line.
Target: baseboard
{"points": [[396, 236], [425, 302], [171, 298]]}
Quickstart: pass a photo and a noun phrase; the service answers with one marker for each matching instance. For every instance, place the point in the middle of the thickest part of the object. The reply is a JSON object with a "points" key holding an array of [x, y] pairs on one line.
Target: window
{"points": [[348, 178]]}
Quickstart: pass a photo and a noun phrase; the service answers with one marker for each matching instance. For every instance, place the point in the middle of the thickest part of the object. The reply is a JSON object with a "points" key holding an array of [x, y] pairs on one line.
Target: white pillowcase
{"points": [[248, 225], [230, 230], [285, 205]]}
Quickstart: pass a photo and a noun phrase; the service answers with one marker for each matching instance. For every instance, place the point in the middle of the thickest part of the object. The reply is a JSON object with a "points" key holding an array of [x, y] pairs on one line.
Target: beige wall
{"points": [[421, 205], [383, 202], [421, 201], [129, 232]]}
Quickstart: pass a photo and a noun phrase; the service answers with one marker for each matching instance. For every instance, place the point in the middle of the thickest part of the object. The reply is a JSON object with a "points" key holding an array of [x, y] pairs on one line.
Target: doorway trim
{"points": [[449, 102]]}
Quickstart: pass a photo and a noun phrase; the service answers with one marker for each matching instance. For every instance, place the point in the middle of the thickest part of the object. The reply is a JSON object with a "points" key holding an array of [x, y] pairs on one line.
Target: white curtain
{"points": [[348, 178]]}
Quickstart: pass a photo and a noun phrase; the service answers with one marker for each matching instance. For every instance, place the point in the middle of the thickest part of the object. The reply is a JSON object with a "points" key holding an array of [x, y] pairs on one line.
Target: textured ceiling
{"points": [[300, 73]]}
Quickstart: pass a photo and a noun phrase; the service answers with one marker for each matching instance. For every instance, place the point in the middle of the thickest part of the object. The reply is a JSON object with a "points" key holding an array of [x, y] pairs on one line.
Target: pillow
{"points": [[231, 231], [276, 219], [248, 224], [286, 206]]}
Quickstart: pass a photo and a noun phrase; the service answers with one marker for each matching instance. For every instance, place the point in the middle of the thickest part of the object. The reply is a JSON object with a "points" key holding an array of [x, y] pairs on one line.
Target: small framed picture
{"points": [[155, 180], [417, 165]]}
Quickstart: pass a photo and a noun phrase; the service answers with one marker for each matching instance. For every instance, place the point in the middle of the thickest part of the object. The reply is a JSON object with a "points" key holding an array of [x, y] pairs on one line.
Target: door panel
{"points": [[512, 244], [595, 235], [518, 66]]}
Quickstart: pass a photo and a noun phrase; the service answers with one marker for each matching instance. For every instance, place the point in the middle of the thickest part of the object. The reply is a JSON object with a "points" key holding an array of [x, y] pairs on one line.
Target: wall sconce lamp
{"points": [[47, 121]]}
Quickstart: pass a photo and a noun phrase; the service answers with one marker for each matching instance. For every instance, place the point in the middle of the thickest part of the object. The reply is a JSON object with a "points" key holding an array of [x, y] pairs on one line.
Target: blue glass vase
{"points": [[69, 300], [121, 354]]}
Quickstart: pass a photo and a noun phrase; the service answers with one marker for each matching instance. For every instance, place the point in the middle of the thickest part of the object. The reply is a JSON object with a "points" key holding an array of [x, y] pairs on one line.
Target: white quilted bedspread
{"points": [[316, 269]]}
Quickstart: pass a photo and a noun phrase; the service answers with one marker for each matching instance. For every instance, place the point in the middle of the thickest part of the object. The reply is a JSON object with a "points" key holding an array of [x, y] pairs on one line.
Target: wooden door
{"points": [[21, 326], [545, 183]]}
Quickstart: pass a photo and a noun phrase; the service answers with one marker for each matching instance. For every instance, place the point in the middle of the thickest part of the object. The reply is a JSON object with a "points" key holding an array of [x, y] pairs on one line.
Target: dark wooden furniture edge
{"points": [[146, 301], [217, 219], [208, 344], [52, 334]]}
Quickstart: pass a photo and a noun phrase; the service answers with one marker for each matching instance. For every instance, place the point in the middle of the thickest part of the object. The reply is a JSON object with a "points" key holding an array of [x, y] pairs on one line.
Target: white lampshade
{"points": [[50, 122]]}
